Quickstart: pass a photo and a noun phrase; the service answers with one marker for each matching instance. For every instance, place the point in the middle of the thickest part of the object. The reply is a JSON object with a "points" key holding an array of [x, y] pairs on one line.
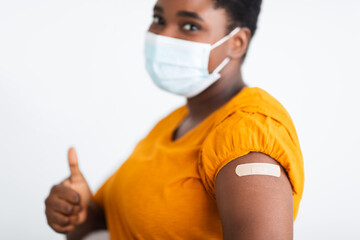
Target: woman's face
{"points": [[192, 20]]}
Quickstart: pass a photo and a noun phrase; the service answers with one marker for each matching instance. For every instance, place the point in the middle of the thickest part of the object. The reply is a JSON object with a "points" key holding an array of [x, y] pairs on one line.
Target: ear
{"points": [[239, 43]]}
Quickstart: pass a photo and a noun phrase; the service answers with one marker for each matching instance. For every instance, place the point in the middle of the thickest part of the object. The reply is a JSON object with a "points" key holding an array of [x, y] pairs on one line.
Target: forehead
{"points": [[188, 5], [204, 8]]}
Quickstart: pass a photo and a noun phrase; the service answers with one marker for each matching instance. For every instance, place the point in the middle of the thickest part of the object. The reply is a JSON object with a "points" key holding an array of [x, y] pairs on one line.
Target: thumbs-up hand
{"points": [[67, 203], [77, 182]]}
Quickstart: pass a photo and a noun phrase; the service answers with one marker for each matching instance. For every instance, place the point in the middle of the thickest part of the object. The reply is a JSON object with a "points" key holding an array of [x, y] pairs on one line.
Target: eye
{"points": [[191, 27], [158, 20]]}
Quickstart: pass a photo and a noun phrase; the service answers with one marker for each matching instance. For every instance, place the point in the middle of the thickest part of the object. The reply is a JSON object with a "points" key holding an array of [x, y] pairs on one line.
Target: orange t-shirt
{"points": [[166, 188]]}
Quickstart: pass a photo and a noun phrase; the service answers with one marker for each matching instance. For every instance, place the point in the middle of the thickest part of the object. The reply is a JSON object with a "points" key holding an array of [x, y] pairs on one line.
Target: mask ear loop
{"points": [[221, 66], [227, 59], [224, 39]]}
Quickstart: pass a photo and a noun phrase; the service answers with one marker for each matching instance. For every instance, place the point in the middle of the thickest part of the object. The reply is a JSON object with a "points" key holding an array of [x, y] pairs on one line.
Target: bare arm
{"points": [[256, 207]]}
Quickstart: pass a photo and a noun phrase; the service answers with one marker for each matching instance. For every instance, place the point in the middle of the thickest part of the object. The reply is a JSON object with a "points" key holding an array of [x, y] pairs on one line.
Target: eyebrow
{"points": [[189, 14], [158, 9], [180, 13]]}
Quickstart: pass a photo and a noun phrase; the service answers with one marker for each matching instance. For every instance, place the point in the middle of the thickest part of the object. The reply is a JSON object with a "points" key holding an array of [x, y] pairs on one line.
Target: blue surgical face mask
{"points": [[180, 66]]}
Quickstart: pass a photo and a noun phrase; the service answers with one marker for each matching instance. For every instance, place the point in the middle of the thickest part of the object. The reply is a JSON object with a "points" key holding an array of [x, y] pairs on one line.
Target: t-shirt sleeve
{"points": [[243, 132], [98, 197]]}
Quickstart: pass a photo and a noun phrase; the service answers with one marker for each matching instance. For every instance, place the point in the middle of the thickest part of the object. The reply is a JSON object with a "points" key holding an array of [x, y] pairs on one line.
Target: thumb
{"points": [[75, 172]]}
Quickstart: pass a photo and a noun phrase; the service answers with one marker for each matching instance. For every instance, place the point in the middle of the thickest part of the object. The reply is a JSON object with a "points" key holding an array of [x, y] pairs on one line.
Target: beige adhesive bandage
{"points": [[258, 169]]}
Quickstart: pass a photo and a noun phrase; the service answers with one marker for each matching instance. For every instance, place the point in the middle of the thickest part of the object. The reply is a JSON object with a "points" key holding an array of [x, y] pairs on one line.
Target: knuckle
{"points": [[68, 209], [48, 221], [59, 230], [73, 219], [60, 220], [52, 225], [47, 212], [76, 209], [48, 200], [54, 189], [75, 197], [64, 221], [49, 203], [66, 229], [51, 219]]}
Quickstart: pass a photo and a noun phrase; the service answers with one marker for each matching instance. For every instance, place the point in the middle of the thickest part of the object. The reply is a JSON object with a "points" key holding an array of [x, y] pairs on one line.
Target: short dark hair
{"points": [[243, 13]]}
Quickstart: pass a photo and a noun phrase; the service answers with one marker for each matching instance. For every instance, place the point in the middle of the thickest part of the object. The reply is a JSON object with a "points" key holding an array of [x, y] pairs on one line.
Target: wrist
{"points": [[96, 216]]}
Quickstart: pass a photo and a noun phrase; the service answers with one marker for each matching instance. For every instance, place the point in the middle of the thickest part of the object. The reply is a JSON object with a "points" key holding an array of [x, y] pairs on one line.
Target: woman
{"points": [[227, 165]]}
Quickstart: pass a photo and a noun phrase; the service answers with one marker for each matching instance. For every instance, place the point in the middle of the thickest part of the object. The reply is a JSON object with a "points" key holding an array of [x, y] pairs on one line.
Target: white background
{"points": [[71, 74]]}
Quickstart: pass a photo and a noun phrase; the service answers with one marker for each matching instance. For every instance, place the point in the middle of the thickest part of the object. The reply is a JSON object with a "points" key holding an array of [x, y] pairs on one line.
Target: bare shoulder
{"points": [[254, 206]]}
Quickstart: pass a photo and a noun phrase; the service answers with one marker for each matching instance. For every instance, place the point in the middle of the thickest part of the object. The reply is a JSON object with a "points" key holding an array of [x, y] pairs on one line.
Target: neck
{"points": [[214, 97]]}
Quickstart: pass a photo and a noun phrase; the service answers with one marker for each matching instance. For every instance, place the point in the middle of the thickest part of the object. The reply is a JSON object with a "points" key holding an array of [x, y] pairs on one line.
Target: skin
{"points": [[210, 29], [69, 208], [254, 207], [250, 207]]}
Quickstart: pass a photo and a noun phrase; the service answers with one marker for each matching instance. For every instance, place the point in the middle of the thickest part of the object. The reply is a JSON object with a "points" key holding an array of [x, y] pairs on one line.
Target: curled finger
{"points": [[57, 218], [60, 229]]}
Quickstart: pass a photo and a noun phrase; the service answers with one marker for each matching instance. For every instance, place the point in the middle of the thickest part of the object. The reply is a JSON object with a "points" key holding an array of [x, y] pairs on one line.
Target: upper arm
{"points": [[254, 207]]}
